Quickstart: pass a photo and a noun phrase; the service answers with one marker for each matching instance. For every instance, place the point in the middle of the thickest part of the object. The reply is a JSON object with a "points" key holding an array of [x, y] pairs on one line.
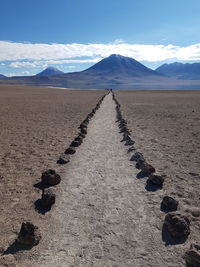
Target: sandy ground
{"points": [[165, 126], [37, 125], [103, 215]]}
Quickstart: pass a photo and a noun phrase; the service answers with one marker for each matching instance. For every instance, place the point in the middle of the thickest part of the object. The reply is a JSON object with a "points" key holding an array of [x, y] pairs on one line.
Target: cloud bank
{"points": [[75, 53]]}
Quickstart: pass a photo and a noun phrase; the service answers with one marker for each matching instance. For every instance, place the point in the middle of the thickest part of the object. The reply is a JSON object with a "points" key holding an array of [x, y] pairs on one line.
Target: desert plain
{"points": [[38, 124]]}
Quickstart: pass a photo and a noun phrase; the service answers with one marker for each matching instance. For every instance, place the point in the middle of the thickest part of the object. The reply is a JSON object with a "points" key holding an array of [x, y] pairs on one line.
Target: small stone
{"points": [[82, 135], [148, 169], [84, 130], [29, 234], [129, 142], [123, 129], [83, 125], [178, 225], [63, 160], [156, 179], [137, 156], [192, 256], [132, 148], [170, 203], [50, 177], [70, 150], [140, 163], [79, 139], [48, 198], [75, 143]]}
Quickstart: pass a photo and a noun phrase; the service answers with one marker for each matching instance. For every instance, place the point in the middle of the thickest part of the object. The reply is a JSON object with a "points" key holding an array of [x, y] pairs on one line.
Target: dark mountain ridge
{"points": [[2, 76], [187, 71]]}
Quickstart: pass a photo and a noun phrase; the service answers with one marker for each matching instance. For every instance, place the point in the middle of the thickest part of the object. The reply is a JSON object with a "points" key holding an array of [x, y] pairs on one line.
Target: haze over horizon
{"points": [[73, 35]]}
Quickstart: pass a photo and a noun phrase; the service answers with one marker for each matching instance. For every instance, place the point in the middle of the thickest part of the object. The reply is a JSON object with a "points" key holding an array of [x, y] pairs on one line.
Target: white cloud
{"points": [[23, 64], [74, 53], [36, 64], [66, 61], [26, 72]]}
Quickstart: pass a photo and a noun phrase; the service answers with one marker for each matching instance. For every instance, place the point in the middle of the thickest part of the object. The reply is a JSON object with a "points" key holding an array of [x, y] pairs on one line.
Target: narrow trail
{"points": [[102, 216]]}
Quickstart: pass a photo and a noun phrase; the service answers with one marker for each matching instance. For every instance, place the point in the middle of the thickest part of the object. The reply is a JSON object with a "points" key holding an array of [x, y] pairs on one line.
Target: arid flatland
{"points": [[37, 125], [104, 213]]}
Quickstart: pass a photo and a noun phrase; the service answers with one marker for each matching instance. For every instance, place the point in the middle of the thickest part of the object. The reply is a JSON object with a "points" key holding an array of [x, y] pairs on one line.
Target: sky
{"points": [[72, 35]]}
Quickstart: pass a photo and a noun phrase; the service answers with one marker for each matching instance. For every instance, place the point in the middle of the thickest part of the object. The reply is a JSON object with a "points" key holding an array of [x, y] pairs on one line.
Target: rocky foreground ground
{"points": [[37, 125], [107, 213]]}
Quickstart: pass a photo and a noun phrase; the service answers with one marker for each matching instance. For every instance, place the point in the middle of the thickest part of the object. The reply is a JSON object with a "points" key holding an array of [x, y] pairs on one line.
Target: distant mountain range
{"points": [[182, 71], [115, 71]]}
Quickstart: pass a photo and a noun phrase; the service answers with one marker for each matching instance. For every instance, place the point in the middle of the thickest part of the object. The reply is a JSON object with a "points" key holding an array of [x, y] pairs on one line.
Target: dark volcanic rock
{"points": [[82, 135], [178, 225], [48, 198], [129, 142], [192, 256], [170, 203], [84, 130], [63, 159], [70, 150], [83, 125], [29, 234], [139, 163], [137, 156], [123, 129], [79, 139], [147, 169], [50, 177], [75, 143], [156, 179]]}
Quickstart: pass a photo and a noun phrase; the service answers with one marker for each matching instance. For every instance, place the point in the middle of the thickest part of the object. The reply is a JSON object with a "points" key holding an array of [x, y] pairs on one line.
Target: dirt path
{"points": [[102, 216]]}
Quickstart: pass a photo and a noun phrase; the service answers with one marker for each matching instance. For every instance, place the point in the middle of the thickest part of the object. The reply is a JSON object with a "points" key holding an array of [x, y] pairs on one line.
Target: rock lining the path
{"points": [[156, 179], [170, 203], [192, 256], [29, 234], [48, 198], [178, 225], [50, 177]]}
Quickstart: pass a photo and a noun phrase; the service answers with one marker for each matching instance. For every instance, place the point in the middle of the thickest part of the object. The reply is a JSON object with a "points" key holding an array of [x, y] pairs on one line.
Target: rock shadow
{"points": [[168, 239], [15, 247], [141, 175], [39, 208], [130, 150], [151, 187], [41, 185]]}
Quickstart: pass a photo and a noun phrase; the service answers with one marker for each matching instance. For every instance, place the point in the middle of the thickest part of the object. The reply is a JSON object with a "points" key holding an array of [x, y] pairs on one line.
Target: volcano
{"points": [[118, 65], [50, 71]]}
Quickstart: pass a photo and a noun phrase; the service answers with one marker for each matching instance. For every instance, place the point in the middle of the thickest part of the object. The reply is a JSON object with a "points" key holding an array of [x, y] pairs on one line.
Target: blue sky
{"points": [[74, 34]]}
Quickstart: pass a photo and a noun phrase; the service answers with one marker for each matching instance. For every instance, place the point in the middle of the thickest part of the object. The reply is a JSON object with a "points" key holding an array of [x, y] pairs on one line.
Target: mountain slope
{"points": [[2, 76], [50, 71], [181, 71], [120, 66]]}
